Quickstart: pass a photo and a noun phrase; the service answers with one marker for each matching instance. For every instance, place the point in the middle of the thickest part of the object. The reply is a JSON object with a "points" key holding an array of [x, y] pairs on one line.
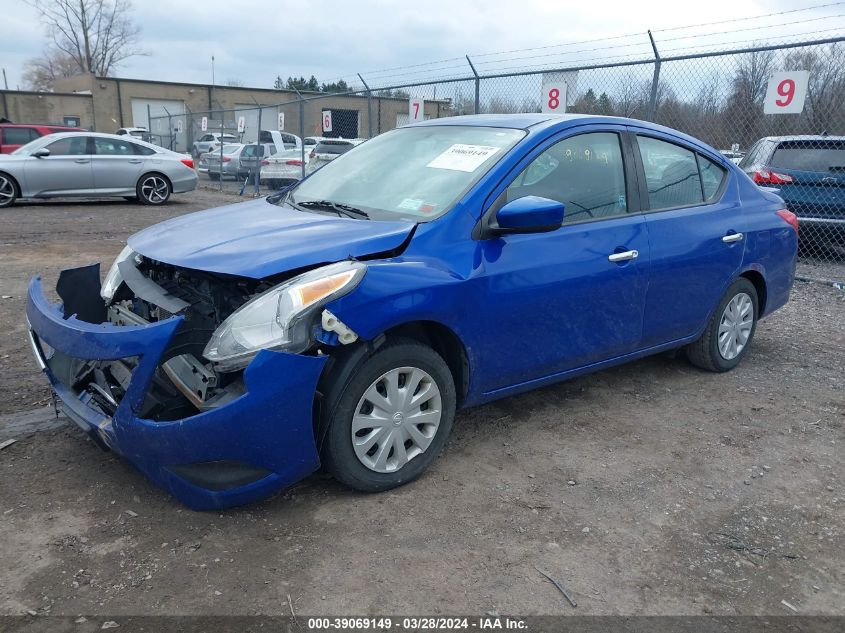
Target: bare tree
{"points": [[40, 73], [97, 35]]}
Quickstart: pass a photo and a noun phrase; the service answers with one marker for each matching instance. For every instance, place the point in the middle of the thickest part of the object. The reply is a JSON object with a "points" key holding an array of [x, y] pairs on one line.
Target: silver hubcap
{"points": [[735, 326], [154, 189], [7, 190], [396, 419]]}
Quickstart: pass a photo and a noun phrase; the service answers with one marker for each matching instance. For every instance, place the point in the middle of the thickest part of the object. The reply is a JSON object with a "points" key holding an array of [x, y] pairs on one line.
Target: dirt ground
{"points": [[653, 488]]}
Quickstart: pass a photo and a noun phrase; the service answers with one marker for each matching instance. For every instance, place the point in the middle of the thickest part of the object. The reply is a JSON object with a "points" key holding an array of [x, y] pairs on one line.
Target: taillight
{"points": [[188, 162], [313, 153], [265, 162], [294, 162], [226, 159], [789, 217], [768, 177]]}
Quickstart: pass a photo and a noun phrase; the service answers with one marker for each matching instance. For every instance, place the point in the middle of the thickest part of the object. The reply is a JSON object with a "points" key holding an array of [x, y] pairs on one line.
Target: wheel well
{"points": [[443, 341], [760, 286], [14, 182]]}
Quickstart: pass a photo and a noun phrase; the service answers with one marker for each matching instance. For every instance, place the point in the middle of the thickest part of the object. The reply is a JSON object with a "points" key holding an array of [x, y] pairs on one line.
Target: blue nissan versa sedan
{"points": [[230, 352]]}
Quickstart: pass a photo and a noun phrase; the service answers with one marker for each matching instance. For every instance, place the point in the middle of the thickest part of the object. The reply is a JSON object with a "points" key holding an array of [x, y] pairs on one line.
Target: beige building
{"points": [[176, 113]]}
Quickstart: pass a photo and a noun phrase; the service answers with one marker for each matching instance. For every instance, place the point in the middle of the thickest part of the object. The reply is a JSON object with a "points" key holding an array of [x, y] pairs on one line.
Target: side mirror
{"points": [[529, 214], [41, 153]]}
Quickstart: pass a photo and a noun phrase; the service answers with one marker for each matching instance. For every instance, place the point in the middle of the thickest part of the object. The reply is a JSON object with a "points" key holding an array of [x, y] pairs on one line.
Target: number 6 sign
{"points": [[327, 120], [786, 92]]}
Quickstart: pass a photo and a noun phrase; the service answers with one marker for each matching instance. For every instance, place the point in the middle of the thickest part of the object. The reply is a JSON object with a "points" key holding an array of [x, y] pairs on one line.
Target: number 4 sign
{"points": [[416, 110], [786, 92], [553, 98], [327, 120]]}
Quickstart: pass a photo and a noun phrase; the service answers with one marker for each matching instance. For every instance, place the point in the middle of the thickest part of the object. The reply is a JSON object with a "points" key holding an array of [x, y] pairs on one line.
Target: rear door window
{"points": [[671, 174], [113, 147], [811, 155], [19, 135]]}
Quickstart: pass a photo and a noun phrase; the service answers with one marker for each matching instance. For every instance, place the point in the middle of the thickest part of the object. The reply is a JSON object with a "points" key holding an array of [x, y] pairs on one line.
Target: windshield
{"points": [[414, 173], [231, 149], [29, 147]]}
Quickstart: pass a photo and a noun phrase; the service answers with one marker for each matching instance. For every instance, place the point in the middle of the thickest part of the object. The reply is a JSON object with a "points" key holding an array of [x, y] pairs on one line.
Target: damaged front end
{"points": [[206, 382]]}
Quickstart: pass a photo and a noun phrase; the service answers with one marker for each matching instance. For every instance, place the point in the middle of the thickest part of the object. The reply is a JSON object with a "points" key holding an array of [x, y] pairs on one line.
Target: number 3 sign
{"points": [[786, 92]]}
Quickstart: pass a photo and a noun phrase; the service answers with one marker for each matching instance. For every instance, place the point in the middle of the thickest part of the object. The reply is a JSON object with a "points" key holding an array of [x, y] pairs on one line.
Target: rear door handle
{"points": [[732, 237], [623, 256], [82, 161], [136, 161]]}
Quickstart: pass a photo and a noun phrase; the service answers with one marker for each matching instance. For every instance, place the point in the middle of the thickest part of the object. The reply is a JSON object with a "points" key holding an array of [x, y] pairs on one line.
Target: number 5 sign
{"points": [[327, 120], [786, 92]]}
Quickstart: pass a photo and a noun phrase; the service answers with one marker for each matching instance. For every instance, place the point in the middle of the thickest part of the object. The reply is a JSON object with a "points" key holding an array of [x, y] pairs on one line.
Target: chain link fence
{"points": [[717, 96]]}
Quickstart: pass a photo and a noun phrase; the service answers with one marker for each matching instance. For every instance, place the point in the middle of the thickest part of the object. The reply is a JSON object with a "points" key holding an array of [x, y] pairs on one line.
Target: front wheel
{"points": [[729, 330], [391, 419], [153, 189], [8, 191]]}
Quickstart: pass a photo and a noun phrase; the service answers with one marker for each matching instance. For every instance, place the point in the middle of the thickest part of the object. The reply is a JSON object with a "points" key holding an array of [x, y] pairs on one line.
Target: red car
{"points": [[13, 135]]}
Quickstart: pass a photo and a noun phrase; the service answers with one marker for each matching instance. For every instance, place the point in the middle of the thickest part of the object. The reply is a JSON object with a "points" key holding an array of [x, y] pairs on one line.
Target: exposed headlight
{"points": [[113, 278], [280, 317]]}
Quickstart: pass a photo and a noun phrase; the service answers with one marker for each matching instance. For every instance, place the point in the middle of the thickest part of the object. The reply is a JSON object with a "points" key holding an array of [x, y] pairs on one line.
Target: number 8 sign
{"points": [[553, 97], [786, 92]]}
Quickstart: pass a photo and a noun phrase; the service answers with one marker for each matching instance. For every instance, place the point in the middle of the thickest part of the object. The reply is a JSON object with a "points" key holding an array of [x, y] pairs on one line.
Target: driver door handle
{"points": [[82, 161], [623, 256], [732, 237], [135, 161]]}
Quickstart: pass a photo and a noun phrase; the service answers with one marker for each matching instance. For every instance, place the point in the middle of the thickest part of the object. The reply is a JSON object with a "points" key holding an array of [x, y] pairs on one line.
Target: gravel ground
{"points": [[653, 488]]}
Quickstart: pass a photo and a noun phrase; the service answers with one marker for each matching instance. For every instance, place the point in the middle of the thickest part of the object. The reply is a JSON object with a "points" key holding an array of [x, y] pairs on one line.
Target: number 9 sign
{"points": [[786, 92]]}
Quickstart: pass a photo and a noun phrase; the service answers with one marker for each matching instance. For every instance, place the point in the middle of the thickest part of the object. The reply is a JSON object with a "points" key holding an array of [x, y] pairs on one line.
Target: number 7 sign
{"points": [[416, 110], [786, 92]]}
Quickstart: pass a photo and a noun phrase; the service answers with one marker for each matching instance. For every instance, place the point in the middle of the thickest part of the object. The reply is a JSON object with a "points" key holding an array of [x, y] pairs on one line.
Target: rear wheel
{"points": [[729, 331], [9, 191], [153, 189], [213, 176], [391, 419]]}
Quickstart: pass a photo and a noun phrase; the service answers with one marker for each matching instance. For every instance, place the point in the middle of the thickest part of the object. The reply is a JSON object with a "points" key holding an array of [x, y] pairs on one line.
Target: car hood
{"points": [[258, 239]]}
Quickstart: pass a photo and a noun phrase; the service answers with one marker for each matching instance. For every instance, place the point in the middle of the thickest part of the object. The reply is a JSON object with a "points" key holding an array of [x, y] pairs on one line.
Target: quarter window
{"points": [[69, 146], [585, 172], [113, 147], [671, 174], [711, 177]]}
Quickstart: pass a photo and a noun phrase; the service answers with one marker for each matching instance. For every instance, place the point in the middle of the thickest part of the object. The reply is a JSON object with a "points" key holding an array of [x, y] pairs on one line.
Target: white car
{"points": [[283, 169], [211, 141], [328, 149]]}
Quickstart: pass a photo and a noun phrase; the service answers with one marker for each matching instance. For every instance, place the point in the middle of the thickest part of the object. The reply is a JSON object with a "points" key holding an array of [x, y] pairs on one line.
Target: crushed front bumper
{"points": [[236, 453]]}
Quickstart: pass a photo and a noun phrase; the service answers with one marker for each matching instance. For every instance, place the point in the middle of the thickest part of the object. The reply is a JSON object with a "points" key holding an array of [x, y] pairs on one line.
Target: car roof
{"points": [[117, 137], [803, 137], [50, 125]]}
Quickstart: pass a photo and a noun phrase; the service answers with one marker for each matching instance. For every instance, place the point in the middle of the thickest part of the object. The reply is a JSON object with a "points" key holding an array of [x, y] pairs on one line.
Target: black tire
{"points": [[153, 189], [131, 198], [340, 404], [9, 191], [704, 352], [214, 177]]}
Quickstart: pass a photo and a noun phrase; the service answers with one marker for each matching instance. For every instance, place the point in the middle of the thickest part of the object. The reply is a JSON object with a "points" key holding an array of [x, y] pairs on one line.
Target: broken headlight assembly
{"points": [[280, 318], [113, 277]]}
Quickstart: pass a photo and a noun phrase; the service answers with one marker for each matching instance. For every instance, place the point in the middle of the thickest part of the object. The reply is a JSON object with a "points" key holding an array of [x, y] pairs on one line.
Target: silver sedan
{"points": [[88, 164]]}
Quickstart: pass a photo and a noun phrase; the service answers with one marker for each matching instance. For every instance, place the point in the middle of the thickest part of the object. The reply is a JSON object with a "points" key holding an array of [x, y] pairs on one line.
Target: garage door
{"points": [[269, 120], [157, 123]]}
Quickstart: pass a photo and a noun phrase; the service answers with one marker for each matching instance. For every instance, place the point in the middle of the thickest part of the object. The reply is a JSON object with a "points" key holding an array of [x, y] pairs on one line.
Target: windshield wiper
{"points": [[337, 207]]}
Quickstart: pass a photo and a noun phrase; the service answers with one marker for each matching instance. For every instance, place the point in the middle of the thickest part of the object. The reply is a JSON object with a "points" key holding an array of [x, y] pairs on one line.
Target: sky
{"points": [[253, 41]]}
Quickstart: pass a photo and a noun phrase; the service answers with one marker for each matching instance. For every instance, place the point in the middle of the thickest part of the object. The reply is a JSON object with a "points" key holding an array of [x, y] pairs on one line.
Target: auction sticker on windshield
{"points": [[462, 157]]}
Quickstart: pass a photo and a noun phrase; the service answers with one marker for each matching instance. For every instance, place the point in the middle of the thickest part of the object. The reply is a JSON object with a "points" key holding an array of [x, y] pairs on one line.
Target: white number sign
{"points": [[327, 120], [281, 121], [204, 124], [241, 124], [178, 126], [553, 98], [786, 92], [416, 110]]}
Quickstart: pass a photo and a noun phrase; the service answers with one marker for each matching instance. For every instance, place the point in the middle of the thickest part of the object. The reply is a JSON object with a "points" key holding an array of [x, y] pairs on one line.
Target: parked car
{"points": [[89, 164], [809, 173], [282, 140], [251, 157], [230, 352], [137, 132], [211, 141], [731, 155], [330, 148], [15, 135], [230, 162], [311, 142], [283, 168]]}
